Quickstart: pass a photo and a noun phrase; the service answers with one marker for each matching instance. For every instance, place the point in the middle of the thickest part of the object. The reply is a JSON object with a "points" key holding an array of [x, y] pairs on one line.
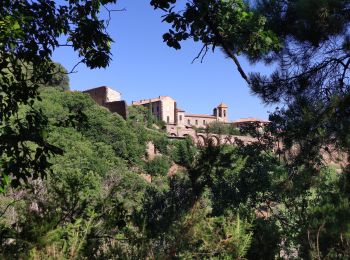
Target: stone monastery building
{"points": [[165, 109]]}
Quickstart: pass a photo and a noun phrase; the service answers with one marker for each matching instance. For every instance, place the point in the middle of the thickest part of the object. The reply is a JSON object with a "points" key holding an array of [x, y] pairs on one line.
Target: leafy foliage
{"points": [[84, 195], [158, 166], [251, 200], [144, 114], [307, 42], [220, 129], [184, 152], [224, 201], [59, 78], [226, 24], [128, 139], [30, 31]]}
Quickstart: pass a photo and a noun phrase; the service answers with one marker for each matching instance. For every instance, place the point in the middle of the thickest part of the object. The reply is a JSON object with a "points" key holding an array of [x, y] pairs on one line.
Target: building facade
{"points": [[199, 120], [249, 120], [165, 109], [103, 95], [110, 99], [162, 107], [202, 120]]}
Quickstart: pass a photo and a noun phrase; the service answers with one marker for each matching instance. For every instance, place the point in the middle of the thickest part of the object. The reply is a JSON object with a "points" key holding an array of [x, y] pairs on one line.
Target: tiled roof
{"points": [[222, 105], [250, 120], [150, 100], [101, 87], [199, 115], [145, 101], [180, 110]]}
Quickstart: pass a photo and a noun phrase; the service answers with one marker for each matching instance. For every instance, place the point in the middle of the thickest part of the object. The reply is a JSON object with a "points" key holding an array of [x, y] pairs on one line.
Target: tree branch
{"points": [[8, 206], [226, 48], [205, 49]]}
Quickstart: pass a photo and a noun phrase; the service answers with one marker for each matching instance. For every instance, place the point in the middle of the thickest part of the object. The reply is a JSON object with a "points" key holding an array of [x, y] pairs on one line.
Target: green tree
{"points": [[29, 33], [59, 78], [128, 139], [158, 166], [220, 129], [307, 44], [307, 41], [230, 25], [184, 152], [144, 115], [92, 189]]}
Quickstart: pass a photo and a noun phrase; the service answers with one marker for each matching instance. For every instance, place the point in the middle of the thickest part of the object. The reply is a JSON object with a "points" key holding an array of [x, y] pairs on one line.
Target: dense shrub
{"points": [[159, 166]]}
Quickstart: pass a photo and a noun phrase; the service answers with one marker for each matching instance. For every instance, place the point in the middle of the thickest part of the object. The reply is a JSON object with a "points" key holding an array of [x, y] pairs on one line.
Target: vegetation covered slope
{"points": [[227, 202], [100, 149]]}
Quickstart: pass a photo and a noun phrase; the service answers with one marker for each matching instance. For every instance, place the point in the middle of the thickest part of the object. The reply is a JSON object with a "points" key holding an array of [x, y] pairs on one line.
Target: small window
{"points": [[180, 117], [204, 122], [224, 113], [196, 122], [168, 119], [189, 122], [157, 108], [220, 113]]}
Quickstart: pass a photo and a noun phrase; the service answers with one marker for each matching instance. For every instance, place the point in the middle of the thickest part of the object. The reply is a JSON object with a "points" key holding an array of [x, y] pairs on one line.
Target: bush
{"points": [[183, 152], [220, 129], [159, 166]]}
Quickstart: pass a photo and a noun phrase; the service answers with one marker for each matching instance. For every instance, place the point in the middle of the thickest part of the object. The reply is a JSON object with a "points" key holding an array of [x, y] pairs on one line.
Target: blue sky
{"points": [[145, 67]]}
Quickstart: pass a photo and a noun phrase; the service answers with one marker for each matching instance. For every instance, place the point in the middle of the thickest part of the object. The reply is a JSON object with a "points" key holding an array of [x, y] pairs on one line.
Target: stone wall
{"points": [[112, 95], [168, 108], [119, 107], [103, 95], [199, 120], [109, 98], [181, 121]]}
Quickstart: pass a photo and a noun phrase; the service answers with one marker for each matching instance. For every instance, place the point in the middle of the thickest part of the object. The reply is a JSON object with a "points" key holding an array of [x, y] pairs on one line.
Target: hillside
{"points": [[221, 202]]}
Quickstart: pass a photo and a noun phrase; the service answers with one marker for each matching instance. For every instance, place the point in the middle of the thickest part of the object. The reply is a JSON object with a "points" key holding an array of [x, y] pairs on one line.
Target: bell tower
{"points": [[221, 112]]}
